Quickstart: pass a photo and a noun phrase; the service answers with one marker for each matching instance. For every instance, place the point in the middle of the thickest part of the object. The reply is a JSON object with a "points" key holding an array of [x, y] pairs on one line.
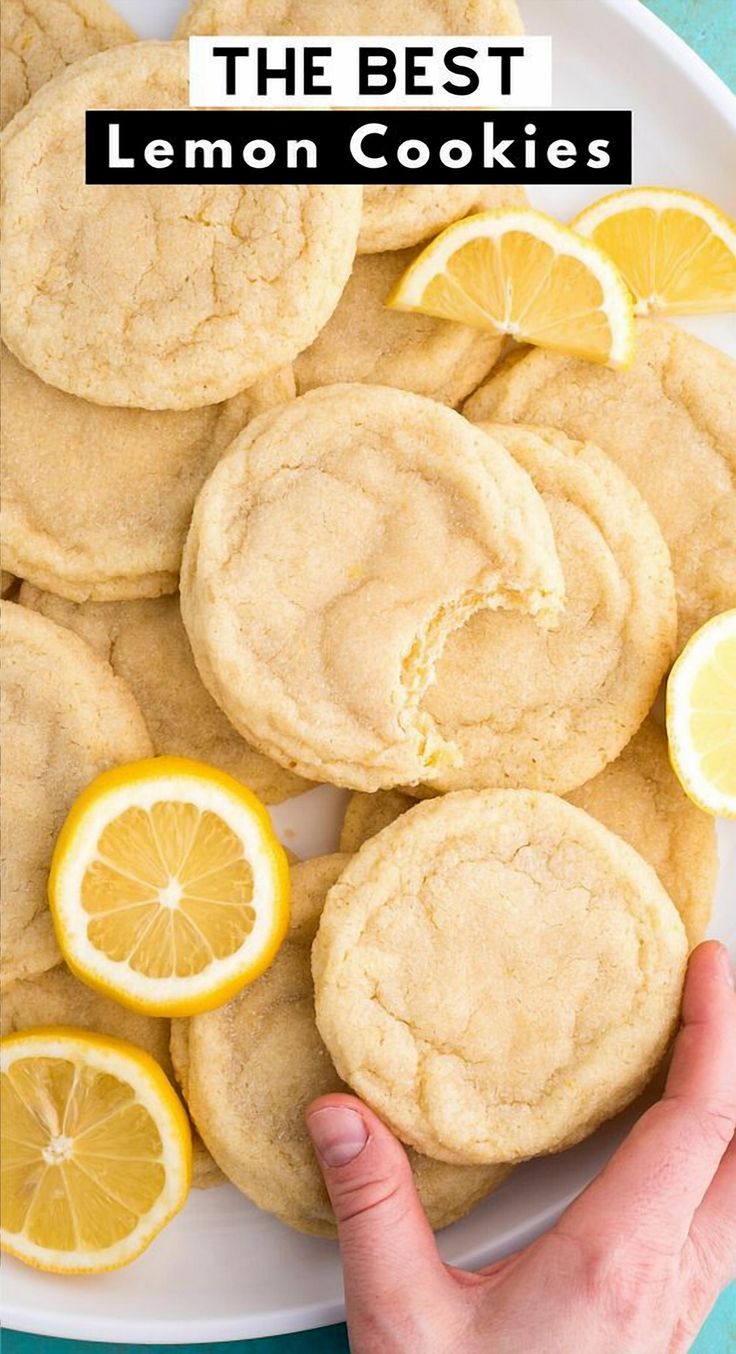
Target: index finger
{"points": [[652, 1186]]}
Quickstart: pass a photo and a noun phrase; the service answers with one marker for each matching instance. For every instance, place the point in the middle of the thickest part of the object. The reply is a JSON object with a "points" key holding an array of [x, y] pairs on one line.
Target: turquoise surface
{"points": [[709, 26]]}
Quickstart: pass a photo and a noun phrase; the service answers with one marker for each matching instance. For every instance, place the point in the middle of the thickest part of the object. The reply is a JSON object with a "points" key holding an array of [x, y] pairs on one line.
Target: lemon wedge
{"points": [[676, 251], [520, 272], [96, 1150], [701, 716], [168, 888]]}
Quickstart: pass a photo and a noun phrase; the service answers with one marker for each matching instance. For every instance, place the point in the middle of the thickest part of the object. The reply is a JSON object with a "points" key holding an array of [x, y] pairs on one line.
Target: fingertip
{"points": [[338, 1130], [709, 977]]}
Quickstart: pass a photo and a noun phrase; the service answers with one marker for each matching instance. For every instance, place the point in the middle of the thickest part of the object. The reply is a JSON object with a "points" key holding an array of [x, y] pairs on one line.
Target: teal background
{"points": [[709, 26]]}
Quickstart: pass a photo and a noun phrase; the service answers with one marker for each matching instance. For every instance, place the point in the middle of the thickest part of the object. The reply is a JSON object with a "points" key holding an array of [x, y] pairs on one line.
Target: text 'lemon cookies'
{"points": [[331, 553], [395, 216], [146, 644], [208, 288], [38, 38], [96, 502], [496, 974], [638, 797], [66, 717], [545, 710], [669, 422], [253, 1066]]}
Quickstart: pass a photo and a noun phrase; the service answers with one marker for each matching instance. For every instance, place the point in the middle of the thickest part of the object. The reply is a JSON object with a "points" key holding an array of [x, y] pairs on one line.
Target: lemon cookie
{"points": [[65, 718], [331, 552], [38, 38], [146, 644], [206, 1173], [398, 215], [364, 18], [97, 502], [496, 974], [207, 288], [395, 216], [669, 422], [365, 341], [254, 1065], [638, 797], [546, 710], [366, 815], [58, 998]]}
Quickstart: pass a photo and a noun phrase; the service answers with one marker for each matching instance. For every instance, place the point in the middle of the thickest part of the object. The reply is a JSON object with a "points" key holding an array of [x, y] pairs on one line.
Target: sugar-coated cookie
{"points": [[546, 710], [331, 552], [158, 296], [669, 423], [496, 974], [146, 644], [96, 502], [638, 797], [253, 1066], [365, 341], [38, 38], [65, 718]]}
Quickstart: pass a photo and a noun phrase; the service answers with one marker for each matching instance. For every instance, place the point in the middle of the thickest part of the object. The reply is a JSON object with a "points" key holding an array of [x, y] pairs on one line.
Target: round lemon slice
{"points": [[522, 273], [96, 1150], [701, 716], [168, 887], [676, 251]]}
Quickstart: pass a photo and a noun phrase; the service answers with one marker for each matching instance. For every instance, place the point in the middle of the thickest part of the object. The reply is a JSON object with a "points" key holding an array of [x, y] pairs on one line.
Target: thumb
{"points": [[386, 1242]]}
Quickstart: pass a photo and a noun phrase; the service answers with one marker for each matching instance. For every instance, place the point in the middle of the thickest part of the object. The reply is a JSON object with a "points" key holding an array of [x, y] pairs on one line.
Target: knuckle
{"points": [[628, 1282], [354, 1199], [709, 1121]]}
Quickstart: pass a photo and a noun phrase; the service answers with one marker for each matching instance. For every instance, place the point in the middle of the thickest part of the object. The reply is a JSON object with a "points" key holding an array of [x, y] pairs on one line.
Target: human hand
{"points": [[633, 1265]]}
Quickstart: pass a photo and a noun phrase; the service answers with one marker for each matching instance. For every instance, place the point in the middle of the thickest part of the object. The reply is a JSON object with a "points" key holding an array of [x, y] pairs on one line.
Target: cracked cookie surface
{"points": [[395, 216], [638, 797], [547, 709], [38, 38], [252, 1067], [331, 552], [365, 341], [206, 290], [65, 718], [96, 502], [496, 974], [669, 423], [146, 645]]}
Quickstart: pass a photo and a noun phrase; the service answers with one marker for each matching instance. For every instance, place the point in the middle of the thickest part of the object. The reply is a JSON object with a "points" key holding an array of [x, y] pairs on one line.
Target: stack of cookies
{"points": [[248, 523]]}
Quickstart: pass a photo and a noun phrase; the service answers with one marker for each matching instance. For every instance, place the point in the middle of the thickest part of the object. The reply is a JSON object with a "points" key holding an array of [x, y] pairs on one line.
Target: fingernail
{"points": [[339, 1134], [727, 967]]}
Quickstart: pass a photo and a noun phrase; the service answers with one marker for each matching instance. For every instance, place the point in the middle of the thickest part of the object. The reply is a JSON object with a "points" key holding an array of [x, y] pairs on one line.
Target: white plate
{"points": [[223, 1270]]}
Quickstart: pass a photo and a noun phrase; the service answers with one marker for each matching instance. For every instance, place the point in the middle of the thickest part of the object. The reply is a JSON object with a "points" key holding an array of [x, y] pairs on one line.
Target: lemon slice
{"points": [[701, 716], [522, 273], [168, 887], [676, 251], [96, 1150]]}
